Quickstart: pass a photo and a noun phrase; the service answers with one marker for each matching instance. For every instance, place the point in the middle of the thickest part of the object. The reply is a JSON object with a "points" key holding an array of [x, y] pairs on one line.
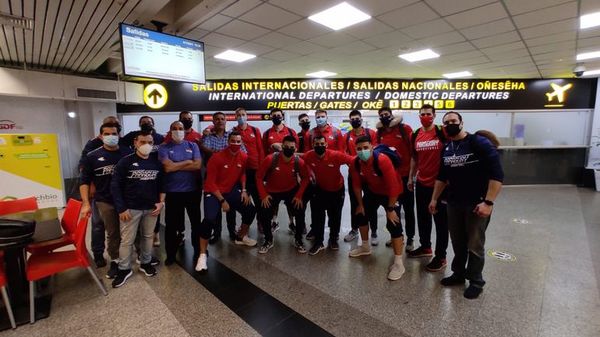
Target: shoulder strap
{"points": [[414, 137], [290, 132], [357, 164], [440, 134], [297, 164], [348, 139], [405, 138], [274, 162]]}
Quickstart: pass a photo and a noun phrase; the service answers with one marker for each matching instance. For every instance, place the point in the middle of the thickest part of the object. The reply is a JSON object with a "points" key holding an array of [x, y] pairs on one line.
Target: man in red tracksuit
{"points": [[380, 189], [277, 180], [395, 134], [333, 136], [225, 190]]}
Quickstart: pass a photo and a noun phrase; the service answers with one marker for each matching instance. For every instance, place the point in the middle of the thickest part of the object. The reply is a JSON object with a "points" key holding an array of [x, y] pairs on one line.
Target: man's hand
{"points": [[125, 216], [246, 198], [410, 185], [86, 209], [433, 207], [276, 146], [158, 207], [360, 209], [297, 202], [393, 217], [266, 202], [225, 206], [483, 210]]}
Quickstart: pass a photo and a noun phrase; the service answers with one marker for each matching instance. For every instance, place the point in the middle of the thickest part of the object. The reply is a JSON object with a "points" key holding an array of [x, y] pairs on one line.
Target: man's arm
{"points": [[116, 184]]}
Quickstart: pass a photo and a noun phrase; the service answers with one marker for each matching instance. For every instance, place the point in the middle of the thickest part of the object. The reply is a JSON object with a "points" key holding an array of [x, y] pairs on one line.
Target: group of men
{"points": [[455, 177]]}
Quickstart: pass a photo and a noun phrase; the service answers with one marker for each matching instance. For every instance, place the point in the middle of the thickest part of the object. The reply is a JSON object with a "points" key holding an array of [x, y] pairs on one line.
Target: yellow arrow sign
{"points": [[155, 96]]}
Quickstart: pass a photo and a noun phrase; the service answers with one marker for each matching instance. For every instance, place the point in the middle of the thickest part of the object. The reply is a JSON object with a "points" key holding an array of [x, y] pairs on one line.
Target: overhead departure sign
{"points": [[372, 94], [155, 96]]}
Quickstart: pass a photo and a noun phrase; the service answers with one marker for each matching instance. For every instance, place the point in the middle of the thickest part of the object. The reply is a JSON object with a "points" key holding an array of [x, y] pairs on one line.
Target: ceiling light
{"points": [[587, 56], [339, 16], [589, 20], [419, 55], [321, 74], [71, 114], [591, 72], [235, 56], [458, 74]]}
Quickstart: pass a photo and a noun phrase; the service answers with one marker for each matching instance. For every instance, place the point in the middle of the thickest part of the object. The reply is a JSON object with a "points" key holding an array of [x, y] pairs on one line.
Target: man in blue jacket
{"points": [[138, 194]]}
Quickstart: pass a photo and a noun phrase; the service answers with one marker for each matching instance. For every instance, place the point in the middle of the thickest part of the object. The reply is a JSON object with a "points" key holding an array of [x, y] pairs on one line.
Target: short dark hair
{"points": [[289, 138], [110, 125], [302, 115], [143, 133], [318, 137], [452, 112], [320, 111], [362, 139], [427, 106], [385, 108], [140, 121], [184, 113], [217, 114], [233, 134], [239, 109], [275, 110], [354, 113]]}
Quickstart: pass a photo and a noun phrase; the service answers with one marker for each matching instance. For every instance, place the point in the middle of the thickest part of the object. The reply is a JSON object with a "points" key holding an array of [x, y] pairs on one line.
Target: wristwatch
{"points": [[488, 202]]}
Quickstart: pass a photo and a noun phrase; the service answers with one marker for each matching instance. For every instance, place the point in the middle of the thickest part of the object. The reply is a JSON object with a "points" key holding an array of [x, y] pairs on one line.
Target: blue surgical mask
{"points": [[321, 121], [242, 120], [110, 140], [364, 155]]}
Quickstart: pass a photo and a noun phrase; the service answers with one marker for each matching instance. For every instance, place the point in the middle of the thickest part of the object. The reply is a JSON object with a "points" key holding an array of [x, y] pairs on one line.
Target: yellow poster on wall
{"points": [[30, 166]]}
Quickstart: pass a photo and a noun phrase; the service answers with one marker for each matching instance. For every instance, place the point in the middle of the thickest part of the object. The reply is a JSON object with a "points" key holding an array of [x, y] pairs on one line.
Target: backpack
{"points": [[275, 161], [402, 133], [367, 134], [266, 135], [377, 151], [438, 132]]}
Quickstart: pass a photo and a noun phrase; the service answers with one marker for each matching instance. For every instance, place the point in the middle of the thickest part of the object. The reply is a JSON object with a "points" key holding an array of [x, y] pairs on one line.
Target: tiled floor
{"points": [[551, 289]]}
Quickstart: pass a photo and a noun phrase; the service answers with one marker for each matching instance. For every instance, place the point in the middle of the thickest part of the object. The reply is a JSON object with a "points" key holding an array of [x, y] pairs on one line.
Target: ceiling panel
{"points": [[377, 7], [240, 7], [304, 48], [395, 38], [520, 6], [546, 15], [497, 39], [409, 15], [214, 22], [281, 55], [427, 29], [305, 7], [478, 16], [445, 7], [242, 30], [368, 28], [488, 29], [550, 28], [305, 29], [270, 16], [219, 40], [276, 40], [566, 36], [333, 39]]}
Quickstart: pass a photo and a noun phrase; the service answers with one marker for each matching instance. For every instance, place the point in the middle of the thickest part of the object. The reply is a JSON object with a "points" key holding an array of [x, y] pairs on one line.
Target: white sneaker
{"points": [[156, 241], [201, 265], [353, 234], [396, 271], [360, 251], [374, 240], [246, 241]]}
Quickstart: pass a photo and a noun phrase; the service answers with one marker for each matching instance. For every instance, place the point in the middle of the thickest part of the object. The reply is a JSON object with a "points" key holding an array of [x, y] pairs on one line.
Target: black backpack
{"points": [[377, 151], [275, 161]]}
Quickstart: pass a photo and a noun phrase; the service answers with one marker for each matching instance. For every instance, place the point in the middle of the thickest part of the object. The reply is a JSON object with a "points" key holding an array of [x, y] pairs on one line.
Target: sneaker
{"points": [[300, 246], [181, 238], [436, 264], [169, 261], [154, 261], [316, 248], [310, 236], [304, 232], [374, 239], [156, 241], [396, 271], [265, 247], [99, 260], [214, 239], [333, 245], [246, 241], [420, 252], [473, 291], [148, 269], [410, 246], [121, 277], [201, 264], [360, 251], [353, 234], [452, 280], [113, 270], [274, 226]]}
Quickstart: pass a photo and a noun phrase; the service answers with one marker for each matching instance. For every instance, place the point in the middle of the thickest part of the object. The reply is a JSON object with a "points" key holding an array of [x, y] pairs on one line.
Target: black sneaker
{"points": [[154, 261], [315, 249], [169, 261], [148, 269], [99, 260], [310, 236], [452, 280], [181, 238], [436, 264], [214, 239], [300, 246], [275, 226], [420, 252], [112, 271], [473, 291], [265, 247], [333, 245], [121, 278]]}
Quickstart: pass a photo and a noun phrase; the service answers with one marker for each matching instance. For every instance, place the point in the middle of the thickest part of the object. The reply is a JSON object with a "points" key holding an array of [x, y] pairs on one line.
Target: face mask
{"points": [[187, 124], [356, 123], [364, 155], [235, 148], [110, 140], [305, 125], [453, 129], [178, 135], [145, 149], [386, 120], [288, 151], [242, 120], [146, 127], [426, 121], [321, 121], [277, 120], [319, 149]]}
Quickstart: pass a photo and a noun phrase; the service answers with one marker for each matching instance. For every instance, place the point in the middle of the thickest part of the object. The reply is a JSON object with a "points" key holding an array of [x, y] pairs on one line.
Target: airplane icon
{"points": [[559, 92]]}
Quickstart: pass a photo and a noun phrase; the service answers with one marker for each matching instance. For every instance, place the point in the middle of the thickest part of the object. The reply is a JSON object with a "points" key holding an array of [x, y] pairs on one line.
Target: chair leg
{"points": [[11, 317], [98, 282], [31, 302]]}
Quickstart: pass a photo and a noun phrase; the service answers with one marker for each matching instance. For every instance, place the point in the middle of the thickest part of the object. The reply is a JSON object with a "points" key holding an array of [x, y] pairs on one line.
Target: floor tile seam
{"points": [[266, 332], [595, 263]]}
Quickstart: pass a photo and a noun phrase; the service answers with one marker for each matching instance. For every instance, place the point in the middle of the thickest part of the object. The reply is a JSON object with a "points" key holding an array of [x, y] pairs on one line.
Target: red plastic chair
{"points": [[18, 205], [11, 317], [69, 226], [44, 264]]}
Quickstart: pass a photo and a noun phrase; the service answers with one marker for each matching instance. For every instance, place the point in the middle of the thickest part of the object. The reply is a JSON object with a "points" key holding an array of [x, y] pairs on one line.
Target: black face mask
{"points": [[305, 125], [452, 129], [319, 149], [386, 120], [356, 123], [187, 124], [277, 120], [288, 151], [147, 127]]}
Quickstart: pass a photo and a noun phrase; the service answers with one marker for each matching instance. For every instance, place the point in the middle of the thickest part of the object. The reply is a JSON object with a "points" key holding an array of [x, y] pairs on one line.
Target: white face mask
{"points": [[178, 135], [110, 140], [145, 149]]}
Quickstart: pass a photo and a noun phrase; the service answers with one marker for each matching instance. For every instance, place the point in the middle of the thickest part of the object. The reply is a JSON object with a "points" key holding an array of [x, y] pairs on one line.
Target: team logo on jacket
{"points": [[135, 164], [225, 166], [427, 145], [101, 159], [105, 170], [143, 174], [458, 161]]}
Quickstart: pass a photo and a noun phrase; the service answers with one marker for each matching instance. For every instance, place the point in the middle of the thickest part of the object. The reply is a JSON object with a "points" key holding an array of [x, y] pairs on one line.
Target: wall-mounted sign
{"points": [[231, 117], [372, 94], [155, 96], [7, 124]]}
